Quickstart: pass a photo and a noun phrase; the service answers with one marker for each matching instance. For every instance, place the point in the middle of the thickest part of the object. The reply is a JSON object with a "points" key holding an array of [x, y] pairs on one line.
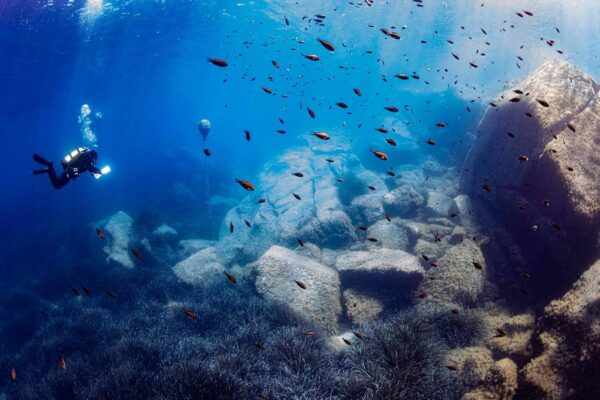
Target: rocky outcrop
{"points": [[361, 307], [568, 343], [278, 272], [200, 267], [536, 161], [118, 231], [500, 383]]}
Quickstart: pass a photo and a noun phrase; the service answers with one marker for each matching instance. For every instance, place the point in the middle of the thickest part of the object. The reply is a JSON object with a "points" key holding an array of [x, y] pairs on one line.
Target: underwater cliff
{"points": [[360, 200]]}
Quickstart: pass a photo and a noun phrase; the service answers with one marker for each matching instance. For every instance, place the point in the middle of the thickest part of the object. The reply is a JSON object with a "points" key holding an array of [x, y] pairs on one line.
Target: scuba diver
{"points": [[74, 164]]}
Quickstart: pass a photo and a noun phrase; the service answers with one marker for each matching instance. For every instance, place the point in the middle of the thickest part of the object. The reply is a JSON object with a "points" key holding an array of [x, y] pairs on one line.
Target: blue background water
{"points": [[142, 64]]}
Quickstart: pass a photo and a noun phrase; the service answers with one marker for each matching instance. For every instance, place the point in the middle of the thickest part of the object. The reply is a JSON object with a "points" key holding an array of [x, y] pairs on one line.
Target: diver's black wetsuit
{"points": [[73, 165]]}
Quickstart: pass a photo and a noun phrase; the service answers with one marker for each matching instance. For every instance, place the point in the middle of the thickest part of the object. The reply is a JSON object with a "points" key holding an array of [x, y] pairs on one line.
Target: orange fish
{"points": [[61, 363], [13, 374], [379, 154], [189, 313], [218, 62], [230, 277], [100, 234], [321, 135], [326, 44], [301, 284], [311, 57], [245, 184]]}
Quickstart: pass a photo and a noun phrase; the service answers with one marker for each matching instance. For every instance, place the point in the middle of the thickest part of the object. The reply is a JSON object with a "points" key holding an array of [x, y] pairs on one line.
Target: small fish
{"points": [[136, 253], [329, 160], [75, 292], [358, 335], [231, 227], [261, 201], [230, 277], [477, 265], [189, 313], [451, 367], [321, 135], [326, 44], [423, 295], [287, 22], [372, 239], [110, 294], [455, 311], [13, 374], [362, 228], [310, 112], [347, 341], [486, 187], [425, 257], [311, 57], [571, 127], [382, 130], [391, 173], [248, 224], [62, 363], [281, 131], [500, 333], [473, 64], [245, 184], [402, 77], [437, 237], [511, 135], [430, 142], [379, 154], [87, 291], [296, 196], [391, 141], [543, 103], [207, 152], [391, 108], [298, 174], [300, 284], [357, 92], [388, 217], [218, 62], [275, 63], [247, 135], [341, 105], [441, 124], [300, 242], [371, 187], [267, 90], [522, 158], [260, 346], [100, 234]]}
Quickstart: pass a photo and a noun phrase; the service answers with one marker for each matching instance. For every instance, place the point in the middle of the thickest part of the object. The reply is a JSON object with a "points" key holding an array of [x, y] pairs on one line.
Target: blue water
{"points": [[143, 66]]}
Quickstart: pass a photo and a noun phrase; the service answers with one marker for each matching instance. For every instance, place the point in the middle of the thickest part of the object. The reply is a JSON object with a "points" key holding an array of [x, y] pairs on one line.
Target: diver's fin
{"points": [[39, 171], [41, 160]]}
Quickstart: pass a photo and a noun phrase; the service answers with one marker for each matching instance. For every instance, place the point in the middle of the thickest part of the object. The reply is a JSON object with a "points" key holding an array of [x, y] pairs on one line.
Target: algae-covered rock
{"points": [[200, 267], [500, 383], [118, 230], [361, 307]]}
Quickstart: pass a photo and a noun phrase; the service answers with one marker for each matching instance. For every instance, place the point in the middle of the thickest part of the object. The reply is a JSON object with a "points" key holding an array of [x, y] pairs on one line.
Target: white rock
{"points": [[200, 267], [165, 230], [279, 268], [118, 230]]}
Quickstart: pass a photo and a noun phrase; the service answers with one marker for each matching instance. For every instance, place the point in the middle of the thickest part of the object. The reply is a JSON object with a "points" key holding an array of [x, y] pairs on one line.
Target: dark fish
{"points": [[423, 295], [245, 184], [362, 228], [358, 335], [297, 196], [136, 253], [391, 173], [311, 57], [500, 333], [207, 152], [247, 134], [391, 141], [473, 64], [298, 174], [425, 257], [455, 311], [477, 265], [13, 374], [372, 239], [85, 290], [267, 90], [231, 227], [382, 130], [287, 22], [522, 158], [110, 294], [218, 62], [543, 103], [281, 131], [371, 187], [571, 127], [230, 277], [260, 346], [515, 100], [486, 187], [329, 160], [342, 105], [437, 237], [388, 217], [430, 142], [391, 108], [300, 242], [248, 224], [62, 363], [100, 234], [300, 284], [357, 92], [75, 292], [261, 201], [402, 77], [347, 341], [311, 113], [275, 63], [441, 124], [455, 56]]}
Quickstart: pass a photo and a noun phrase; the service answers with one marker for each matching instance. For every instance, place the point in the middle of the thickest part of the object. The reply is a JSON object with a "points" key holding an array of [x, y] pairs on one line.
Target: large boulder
{"points": [[568, 343], [500, 383], [279, 268], [200, 267], [550, 199], [457, 281], [282, 219], [119, 232]]}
